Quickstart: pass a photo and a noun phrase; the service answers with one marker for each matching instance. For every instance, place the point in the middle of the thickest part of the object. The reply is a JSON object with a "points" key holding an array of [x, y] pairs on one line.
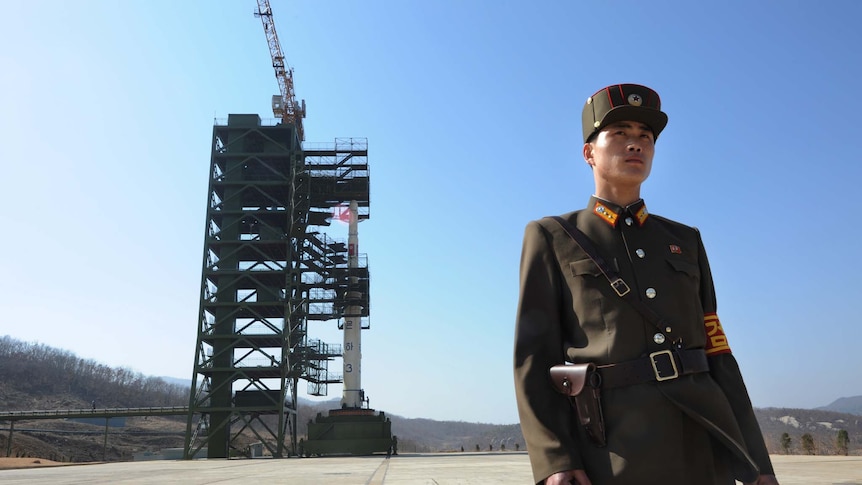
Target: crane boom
{"points": [[285, 105]]}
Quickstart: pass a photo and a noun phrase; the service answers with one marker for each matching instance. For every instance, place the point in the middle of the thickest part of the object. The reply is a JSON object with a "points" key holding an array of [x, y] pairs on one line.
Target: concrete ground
{"points": [[439, 469]]}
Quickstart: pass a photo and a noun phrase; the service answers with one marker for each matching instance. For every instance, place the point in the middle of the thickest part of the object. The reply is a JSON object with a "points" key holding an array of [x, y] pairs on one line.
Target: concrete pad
{"points": [[818, 470], [440, 469]]}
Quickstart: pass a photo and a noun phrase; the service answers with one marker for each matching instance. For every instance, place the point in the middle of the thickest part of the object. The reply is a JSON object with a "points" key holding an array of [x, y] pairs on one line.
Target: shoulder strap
{"points": [[617, 284]]}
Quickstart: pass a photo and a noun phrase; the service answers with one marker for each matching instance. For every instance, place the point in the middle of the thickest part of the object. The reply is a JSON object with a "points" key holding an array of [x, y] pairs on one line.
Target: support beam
{"points": [[9, 440]]}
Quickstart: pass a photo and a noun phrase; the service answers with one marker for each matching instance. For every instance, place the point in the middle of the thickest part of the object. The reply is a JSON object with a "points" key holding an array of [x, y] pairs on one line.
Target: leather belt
{"points": [[663, 365]]}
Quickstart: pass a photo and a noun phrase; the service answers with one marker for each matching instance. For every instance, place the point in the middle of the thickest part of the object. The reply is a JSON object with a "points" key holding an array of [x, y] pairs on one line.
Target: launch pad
{"points": [[502, 468], [354, 429], [349, 432]]}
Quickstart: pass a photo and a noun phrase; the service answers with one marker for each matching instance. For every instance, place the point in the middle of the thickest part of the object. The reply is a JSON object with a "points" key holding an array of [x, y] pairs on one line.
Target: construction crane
{"points": [[284, 106]]}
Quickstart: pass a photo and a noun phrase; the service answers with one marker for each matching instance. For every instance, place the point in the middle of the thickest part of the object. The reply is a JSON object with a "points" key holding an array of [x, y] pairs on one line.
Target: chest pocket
{"points": [[586, 285], [685, 267], [584, 267]]}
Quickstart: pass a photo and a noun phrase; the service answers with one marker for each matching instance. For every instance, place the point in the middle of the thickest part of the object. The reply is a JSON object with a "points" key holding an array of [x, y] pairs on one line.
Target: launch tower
{"points": [[267, 271]]}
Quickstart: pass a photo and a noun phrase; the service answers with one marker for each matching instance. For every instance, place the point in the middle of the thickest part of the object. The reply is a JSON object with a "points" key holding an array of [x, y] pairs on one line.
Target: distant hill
{"points": [[850, 405], [34, 376], [37, 377], [430, 435], [176, 381], [822, 425], [427, 435]]}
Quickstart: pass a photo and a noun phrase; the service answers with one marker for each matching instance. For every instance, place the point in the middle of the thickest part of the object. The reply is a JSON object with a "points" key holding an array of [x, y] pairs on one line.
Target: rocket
{"points": [[353, 395]]}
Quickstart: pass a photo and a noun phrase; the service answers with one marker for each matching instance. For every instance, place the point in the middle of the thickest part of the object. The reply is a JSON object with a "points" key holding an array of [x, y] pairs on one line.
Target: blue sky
{"points": [[472, 114]]}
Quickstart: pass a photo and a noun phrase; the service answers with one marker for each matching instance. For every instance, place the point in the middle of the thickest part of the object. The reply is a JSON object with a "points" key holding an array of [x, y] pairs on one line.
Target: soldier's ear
{"points": [[588, 154]]}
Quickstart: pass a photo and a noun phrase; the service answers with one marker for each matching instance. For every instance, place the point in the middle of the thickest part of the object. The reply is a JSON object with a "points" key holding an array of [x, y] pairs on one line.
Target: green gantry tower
{"points": [[268, 269]]}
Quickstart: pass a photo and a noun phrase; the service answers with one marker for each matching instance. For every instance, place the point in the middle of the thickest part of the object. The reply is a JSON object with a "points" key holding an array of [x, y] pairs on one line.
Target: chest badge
{"points": [[674, 249]]}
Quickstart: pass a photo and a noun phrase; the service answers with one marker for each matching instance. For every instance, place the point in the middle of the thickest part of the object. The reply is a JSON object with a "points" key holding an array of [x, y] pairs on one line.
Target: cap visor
{"points": [[653, 118]]}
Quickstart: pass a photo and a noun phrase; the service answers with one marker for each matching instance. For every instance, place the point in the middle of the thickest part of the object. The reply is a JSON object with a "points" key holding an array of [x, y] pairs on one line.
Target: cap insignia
{"points": [[635, 99]]}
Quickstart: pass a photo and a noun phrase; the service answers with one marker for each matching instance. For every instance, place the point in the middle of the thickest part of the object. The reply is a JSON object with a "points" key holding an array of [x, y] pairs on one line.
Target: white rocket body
{"points": [[353, 395]]}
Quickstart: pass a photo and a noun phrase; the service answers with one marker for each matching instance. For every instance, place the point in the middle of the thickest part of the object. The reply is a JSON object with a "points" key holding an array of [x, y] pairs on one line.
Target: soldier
{"points": [[630, 294]]}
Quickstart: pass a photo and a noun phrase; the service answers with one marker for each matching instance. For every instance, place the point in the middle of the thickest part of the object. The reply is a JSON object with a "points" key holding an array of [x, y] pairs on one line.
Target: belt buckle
{"points": [[620, 287], [652, 360]]}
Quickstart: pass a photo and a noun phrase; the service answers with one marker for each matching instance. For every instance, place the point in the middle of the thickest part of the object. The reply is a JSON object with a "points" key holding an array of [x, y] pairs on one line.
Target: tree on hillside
{"points": [[808, 444], [785, 443], [39, 370], [843, 441]]}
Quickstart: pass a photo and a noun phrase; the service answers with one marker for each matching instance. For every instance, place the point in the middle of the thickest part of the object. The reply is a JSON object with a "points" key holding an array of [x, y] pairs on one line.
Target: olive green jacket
{"points": [[675, 431]]}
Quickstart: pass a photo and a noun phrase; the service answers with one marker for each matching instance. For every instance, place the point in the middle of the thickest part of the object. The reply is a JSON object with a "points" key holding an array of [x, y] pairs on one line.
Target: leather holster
{"points": [[582, 385]]}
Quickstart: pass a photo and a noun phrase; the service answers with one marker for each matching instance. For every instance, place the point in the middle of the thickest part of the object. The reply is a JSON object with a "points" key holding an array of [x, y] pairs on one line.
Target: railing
{"points": [[339, 145], [263, 121], [93, 413]]}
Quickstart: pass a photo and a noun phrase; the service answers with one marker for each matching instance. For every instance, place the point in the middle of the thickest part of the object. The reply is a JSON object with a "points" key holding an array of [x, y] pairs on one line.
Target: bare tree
{"points": [[808, 444], [786, 441], [843, 441]]}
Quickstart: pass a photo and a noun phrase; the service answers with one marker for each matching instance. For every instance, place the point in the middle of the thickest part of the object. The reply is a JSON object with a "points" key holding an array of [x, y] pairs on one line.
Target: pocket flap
{"points": [[584, 267], [690, 269]]}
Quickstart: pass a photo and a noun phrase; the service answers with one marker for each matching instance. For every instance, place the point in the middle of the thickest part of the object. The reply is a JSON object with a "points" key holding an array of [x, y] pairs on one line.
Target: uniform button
{"points": [[650, 292], [629, 221], [640, 253], [658, 338]]}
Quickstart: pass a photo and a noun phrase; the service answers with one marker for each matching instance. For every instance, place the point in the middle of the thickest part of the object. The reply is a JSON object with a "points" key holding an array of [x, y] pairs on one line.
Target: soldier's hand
{"points": [[571, 477], [764, 480]]}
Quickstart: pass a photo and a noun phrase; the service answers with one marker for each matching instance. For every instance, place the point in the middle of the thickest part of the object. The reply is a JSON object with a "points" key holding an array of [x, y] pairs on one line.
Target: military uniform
{"points": [[691, 428]]}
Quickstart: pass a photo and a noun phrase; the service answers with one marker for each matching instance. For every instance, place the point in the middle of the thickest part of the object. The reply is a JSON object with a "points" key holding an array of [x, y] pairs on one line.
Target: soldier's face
{"points": [[622, 153]]}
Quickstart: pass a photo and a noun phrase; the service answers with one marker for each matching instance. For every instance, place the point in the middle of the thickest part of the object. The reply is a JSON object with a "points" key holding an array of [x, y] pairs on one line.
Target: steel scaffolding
{"points": [[267, 271]]}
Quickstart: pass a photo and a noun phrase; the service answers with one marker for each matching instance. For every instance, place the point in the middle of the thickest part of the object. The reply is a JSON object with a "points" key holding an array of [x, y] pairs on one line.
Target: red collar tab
{"points": [[605, 213], [641, 213], [611, 213]]}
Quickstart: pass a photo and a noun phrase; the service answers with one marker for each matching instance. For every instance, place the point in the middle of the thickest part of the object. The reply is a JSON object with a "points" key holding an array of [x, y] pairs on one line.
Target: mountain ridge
{"points": [[850, 405], [37, 377]]}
